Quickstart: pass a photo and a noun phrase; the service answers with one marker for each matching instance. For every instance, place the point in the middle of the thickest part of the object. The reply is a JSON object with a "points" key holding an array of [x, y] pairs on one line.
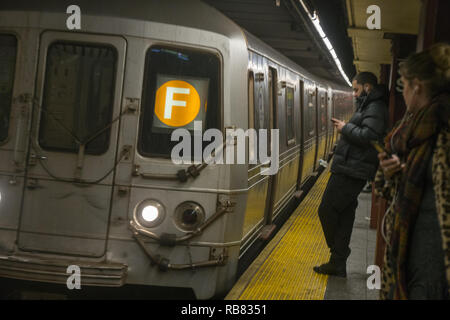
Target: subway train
{"points": [[86, 175]]}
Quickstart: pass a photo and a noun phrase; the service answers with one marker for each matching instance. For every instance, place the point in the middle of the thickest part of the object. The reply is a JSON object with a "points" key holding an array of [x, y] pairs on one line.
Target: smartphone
{"points": [[379, 147]]}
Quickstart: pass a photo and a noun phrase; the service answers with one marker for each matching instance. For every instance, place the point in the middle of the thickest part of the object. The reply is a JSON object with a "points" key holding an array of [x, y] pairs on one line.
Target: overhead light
{"points": [[328, 44], [333, 54], [316, 22]]}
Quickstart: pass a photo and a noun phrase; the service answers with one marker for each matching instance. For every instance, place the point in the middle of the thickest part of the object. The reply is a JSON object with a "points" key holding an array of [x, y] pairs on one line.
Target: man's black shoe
{"points": [[331, 269]]}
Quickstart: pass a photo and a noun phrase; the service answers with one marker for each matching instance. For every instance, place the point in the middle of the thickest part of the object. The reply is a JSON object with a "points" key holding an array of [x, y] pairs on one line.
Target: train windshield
{"points": [[181, 87], [8, 52], [78, 97]]}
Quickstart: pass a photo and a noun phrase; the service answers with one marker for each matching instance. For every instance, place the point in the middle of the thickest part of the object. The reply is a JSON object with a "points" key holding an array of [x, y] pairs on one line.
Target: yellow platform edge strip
{"points": [[283, 270]]}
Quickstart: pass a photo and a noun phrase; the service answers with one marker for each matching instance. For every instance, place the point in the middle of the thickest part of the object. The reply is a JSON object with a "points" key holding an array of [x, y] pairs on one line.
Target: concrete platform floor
{"points": [[362, 244]]}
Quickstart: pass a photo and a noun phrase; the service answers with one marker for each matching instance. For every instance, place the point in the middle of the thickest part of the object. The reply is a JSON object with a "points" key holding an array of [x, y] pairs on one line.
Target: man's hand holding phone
{"points": [[338, 124]]}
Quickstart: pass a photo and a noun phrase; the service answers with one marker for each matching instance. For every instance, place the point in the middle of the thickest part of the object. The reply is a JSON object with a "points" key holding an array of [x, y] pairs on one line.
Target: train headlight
{"points": [[189, 215], [149, 213]]}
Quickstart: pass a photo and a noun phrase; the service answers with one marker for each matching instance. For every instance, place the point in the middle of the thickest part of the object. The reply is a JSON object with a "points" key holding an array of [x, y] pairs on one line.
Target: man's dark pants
{"points": [[337, 214]]}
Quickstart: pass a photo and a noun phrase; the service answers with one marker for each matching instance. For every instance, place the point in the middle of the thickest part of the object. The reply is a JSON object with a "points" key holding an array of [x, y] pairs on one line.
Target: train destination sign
{"points": [[179, 101]]}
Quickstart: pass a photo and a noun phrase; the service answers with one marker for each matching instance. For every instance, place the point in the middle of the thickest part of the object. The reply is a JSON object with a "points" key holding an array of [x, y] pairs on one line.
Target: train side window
{"points": [[311, 115], [259, 94], [8, 53], [302, 110], [252, 114], [78, 97], [323, 114], [251, 100], [290, 115], [181, 86]]}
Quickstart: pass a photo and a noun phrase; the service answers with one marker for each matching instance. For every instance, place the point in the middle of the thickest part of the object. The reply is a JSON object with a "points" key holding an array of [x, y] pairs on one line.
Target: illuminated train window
{"points": [[310, 126], [290, 115], [323, 114], [181, 86], [8, 52], [78, 97]]}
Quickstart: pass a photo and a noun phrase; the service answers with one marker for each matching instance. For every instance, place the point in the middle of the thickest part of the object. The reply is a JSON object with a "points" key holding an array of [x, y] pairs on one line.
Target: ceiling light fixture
{"points": [[315, 20]]}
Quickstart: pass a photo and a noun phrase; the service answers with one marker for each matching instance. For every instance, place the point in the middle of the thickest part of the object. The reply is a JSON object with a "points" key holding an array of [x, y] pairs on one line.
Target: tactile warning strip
{"points": [[283, 270]]}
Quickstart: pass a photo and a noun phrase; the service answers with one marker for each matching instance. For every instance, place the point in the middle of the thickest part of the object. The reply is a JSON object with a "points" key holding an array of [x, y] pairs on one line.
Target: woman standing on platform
{"points": [[416, 181]]}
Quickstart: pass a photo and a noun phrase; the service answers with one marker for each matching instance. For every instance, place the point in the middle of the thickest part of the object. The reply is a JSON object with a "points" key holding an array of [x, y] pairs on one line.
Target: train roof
{"points": [[262, 48], [190, 13]]}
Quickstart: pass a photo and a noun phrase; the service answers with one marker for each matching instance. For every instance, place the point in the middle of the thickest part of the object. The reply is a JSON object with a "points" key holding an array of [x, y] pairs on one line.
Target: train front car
{"points": [[86, 170]]}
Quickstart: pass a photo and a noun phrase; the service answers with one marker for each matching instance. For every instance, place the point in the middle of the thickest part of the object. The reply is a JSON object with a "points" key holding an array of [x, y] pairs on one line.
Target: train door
{"points": [[317, 128], [326, 125], [255, 212], [273, 124], [309, 132], [17, 69], [73, 144], [336, 114], [321, 125], [301, 125], [330, 126]]}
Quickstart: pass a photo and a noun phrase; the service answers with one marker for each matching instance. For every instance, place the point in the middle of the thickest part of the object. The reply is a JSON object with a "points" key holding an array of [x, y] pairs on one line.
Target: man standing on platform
{"points": [[355, 161]]}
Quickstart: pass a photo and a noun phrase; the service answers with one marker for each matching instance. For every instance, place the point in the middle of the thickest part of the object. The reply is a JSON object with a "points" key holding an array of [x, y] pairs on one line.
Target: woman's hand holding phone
{"points": [[390, 165]]}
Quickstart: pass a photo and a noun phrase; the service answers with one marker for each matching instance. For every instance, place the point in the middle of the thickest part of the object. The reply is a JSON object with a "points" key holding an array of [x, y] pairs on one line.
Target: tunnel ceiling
{"points": [[373, 47], [285, 26]]}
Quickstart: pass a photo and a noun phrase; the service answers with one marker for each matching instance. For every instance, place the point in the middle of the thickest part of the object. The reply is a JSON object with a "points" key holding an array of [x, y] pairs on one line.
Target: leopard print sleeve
{"points": [[383, 187], [441, 184]]}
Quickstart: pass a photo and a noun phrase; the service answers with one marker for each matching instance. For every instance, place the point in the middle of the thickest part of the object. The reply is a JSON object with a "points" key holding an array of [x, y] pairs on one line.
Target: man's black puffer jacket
{"points": [[354, 155]]}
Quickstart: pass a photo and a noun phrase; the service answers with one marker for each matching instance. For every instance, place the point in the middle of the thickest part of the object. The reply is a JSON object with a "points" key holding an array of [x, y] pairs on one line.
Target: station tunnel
{"points": [[153, 147]]}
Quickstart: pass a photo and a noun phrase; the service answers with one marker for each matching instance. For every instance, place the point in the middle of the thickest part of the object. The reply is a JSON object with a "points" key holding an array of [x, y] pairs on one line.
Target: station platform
{"points": [[284, 269]]}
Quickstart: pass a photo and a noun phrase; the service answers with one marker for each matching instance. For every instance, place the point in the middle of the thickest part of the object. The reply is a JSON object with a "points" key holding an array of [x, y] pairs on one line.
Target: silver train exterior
{"points": [[81, 155]]}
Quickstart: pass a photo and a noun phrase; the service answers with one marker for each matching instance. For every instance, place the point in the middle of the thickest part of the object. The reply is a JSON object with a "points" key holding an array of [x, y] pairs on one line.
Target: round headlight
{"points": [[189, 215], [149, 213]]}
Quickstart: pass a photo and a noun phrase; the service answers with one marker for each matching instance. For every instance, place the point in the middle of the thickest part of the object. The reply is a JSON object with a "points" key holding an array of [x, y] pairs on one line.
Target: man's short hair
{"points": [[366, 77]]}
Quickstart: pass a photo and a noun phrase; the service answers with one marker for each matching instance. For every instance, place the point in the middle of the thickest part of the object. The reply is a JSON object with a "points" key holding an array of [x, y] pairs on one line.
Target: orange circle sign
{"points": [[177, 103]]}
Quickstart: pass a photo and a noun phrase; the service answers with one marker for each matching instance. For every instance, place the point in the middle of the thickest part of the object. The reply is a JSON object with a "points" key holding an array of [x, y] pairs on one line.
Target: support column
{"points": [[434, 23]]}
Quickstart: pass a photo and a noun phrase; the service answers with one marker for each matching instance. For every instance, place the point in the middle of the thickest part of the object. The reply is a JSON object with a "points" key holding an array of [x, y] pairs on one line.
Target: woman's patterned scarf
{"points": [[413, 141]]}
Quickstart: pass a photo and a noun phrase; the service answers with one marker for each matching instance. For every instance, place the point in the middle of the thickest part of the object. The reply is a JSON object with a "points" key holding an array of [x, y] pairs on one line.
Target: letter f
{"points": [[170, 102]]}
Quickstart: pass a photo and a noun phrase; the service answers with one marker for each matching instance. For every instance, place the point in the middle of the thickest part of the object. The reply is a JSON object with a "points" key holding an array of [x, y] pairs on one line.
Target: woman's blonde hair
{"points": [[431, 66]]}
